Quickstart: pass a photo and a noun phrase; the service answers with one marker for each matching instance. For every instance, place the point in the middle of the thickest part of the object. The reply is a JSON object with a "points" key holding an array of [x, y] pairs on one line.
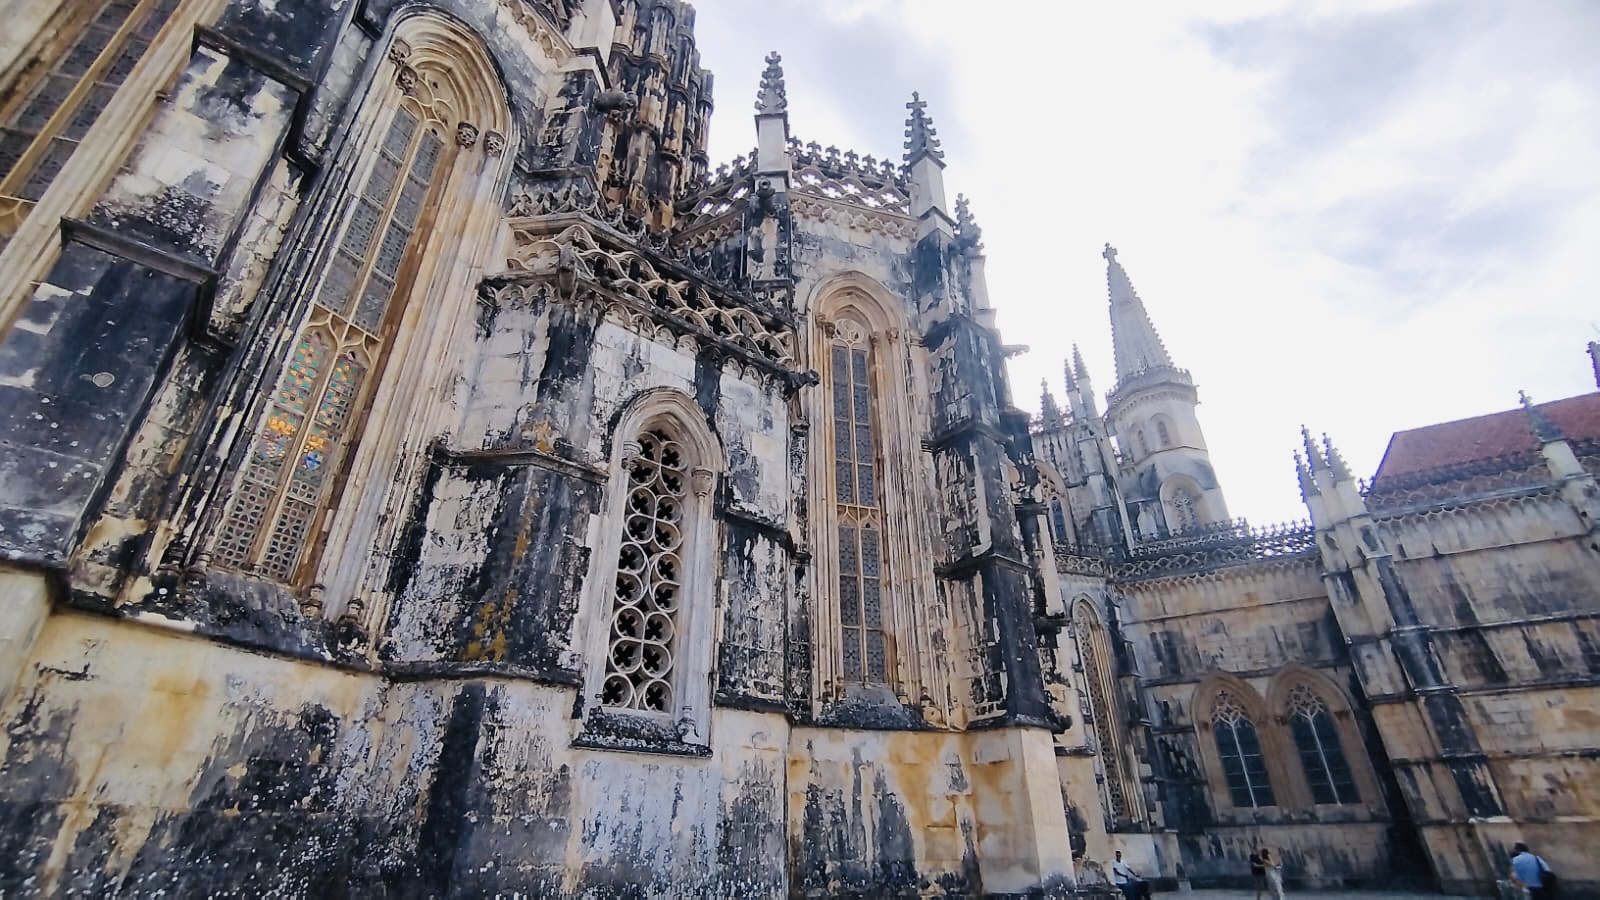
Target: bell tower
{"points": [[1165, 472]]}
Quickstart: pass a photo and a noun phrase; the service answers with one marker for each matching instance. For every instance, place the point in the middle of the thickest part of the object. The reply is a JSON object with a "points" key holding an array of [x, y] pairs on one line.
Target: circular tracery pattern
{"points": [[649, 580]]}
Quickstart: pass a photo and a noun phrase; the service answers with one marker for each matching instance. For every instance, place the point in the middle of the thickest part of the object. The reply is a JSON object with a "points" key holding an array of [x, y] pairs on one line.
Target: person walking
{"points": [[1274, 870], [1530, 871], [1258, 872]]}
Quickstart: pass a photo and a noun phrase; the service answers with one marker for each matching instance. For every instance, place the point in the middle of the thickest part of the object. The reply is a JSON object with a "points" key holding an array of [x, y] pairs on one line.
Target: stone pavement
{"points": [[1309, 895], [1306, 894]]}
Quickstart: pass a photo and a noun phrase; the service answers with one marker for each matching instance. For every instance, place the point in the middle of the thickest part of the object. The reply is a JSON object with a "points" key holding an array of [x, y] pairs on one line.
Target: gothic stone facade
{"points": [[424, 475]]}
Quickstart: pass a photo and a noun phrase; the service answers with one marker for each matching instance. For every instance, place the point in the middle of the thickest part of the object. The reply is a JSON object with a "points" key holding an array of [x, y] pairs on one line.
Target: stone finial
{"points": [[772, 99], [1071, 379], [1078, 368], [1594, 359], [1543, 428], [1048, 411], [1341, 472], [921, 137], [1110, 253], [968, 234]]}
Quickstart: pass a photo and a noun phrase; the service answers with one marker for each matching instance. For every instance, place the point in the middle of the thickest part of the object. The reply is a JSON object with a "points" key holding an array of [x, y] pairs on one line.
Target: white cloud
{"points": [[1365, 216]]}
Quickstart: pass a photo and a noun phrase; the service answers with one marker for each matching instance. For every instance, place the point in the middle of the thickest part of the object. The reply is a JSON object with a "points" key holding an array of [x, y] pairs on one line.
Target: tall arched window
{"points": [[1317, 740], [418, 135], [1163, 432], [51, 108], [1058, 520], [863, 646], [1239, 749], [1124, 802], [1142, 448], [650, 593]]}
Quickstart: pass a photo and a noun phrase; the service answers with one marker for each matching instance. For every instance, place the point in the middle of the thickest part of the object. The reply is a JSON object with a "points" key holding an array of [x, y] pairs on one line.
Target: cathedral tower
{"points": [[1167, 481]]}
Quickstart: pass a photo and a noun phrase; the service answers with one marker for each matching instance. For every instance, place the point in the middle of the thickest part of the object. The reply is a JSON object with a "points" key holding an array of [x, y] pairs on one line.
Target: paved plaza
{"points": [[1321, 895]]}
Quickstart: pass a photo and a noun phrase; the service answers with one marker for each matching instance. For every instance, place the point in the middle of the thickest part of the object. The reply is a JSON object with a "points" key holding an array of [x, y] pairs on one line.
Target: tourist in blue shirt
{"points": [[1530, 871]]}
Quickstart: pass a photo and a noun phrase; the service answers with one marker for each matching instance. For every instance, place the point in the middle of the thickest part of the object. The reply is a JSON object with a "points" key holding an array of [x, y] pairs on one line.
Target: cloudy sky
{"points": [[1362, 215]]}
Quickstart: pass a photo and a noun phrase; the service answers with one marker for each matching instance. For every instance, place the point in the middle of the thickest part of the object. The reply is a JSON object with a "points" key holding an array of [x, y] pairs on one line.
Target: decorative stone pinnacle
{"points": [[1072, 383], [1308, 484], [967, 231], [1313, 456], [1545, 430], [1110, 253], [1341, 472], [772, 100], [921, 137], [1077, 363]]}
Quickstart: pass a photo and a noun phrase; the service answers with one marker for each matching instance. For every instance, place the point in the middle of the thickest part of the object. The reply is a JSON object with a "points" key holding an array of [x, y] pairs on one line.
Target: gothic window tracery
{"points": [[1121, 793], [48, 115], [1185, 517], [314, 412], [1321, 755], [1058, 520], [642, 641], [1239, 749], [858, 506]]}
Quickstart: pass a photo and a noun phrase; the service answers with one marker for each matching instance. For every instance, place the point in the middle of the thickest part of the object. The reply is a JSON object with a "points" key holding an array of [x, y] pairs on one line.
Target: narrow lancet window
{"points": [[313, 414], [649, 579], [1240, 751], [860, 511], [1317, 739]]}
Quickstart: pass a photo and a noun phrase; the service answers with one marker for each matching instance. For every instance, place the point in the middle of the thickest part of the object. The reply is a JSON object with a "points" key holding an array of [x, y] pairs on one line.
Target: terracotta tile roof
{"points": [[1484, 437]]}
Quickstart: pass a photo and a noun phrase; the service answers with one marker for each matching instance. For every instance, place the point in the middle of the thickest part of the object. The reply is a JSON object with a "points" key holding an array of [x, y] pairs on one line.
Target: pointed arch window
{"points": [[1184, 513], [1163, 433], [51, 110], [1317, 740], [649, 596], [1239, 749], [314, 412], [864, 647], [642, 643], [1122, 797], [1058, 520]]}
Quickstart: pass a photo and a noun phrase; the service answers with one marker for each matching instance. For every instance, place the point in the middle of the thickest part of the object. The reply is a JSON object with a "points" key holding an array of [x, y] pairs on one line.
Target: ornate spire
{"points": [[1543, 429], [968, 234], [1133, 336], [921, 137], [1341, 472], [772, 100], [1078, 367], [1066, 364]]}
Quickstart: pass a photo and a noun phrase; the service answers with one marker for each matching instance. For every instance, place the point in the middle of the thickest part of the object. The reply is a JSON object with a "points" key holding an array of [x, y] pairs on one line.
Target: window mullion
{"points": [[15, 182], [292, 453]]}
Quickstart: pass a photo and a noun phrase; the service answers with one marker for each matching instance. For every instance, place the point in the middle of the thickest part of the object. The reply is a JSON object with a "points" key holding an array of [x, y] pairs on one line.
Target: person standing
{"points": [[1530, 871], [1258, 872], [1122, 875], [1274, 870]]}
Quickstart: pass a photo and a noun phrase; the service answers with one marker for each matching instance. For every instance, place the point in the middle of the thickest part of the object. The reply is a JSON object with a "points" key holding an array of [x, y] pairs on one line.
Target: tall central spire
{"points": [[1133, 337]]}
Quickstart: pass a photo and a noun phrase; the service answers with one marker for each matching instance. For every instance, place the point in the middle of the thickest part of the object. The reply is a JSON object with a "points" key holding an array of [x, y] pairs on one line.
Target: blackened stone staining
{"points": [[277, 328]]}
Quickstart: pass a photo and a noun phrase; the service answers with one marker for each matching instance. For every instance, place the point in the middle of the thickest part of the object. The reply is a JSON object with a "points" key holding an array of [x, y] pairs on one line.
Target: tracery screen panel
{"points": [[1095, 649], [312, 416], [863, 645], [48, 115], [1321, 754], [1239, 749], [648, 589]]}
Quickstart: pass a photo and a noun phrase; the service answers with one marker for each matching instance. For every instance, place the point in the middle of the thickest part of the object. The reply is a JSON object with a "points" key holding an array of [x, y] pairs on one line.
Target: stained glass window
{"points": [[1240, 751], [47, 115], [864, 648], [288, 472], [1317, 739]]}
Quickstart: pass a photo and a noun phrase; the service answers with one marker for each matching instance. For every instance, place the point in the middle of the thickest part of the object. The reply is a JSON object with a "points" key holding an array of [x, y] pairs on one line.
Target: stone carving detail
{"points": [[466, 134], [399, 51], [406, 78], [494, 143], [538, 28], [630, 273]]}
